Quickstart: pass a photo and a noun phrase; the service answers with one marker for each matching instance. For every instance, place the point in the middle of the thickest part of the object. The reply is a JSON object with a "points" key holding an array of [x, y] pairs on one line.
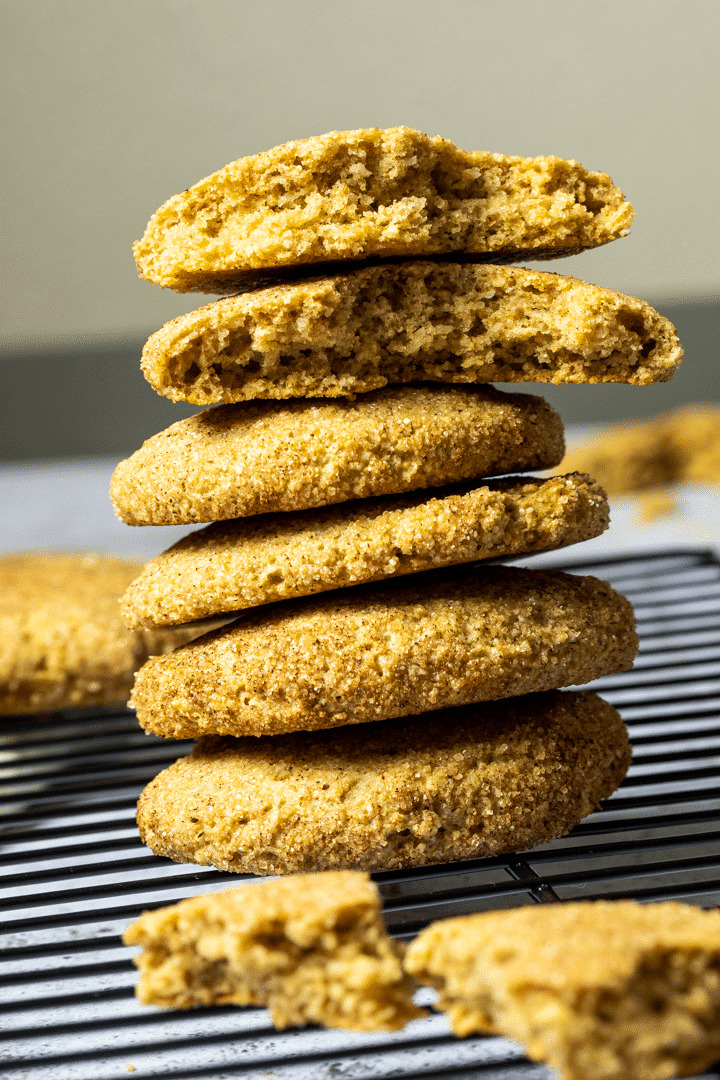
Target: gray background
{"points": [[112, 107]]}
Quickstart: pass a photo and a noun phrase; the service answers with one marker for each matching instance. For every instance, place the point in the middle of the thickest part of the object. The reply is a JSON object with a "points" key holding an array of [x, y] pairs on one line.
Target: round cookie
{"points": [[373, 192], [443, 321], [261, 457], [229, 566], [374, 652], [456, 784], [62, 641]]}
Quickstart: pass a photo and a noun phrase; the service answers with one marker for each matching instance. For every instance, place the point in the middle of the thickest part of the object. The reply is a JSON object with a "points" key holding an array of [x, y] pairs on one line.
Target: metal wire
{"points": [[74, 873]]}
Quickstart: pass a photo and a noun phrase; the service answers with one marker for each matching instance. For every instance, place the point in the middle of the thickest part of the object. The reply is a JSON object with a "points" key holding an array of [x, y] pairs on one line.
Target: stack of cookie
{"points": [[394, 722]]}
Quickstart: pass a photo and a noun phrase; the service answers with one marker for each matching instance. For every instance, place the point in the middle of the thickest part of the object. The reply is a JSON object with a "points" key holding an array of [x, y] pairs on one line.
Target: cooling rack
{"points": [[74, 873]]}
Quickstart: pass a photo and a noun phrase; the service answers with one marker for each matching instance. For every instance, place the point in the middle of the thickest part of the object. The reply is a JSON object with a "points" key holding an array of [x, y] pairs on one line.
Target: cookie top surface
{"points": [[373, 652], [395, 323], [302, 905], [62, 641], [262, 457], [373, 193], [454, 784], [229, 566], [582, 944]]}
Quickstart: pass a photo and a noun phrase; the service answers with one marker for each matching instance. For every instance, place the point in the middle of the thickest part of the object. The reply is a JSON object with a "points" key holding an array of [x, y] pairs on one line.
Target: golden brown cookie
{"points": [[397, 323], [455, 784], [313, 948], [62, 641], [229, 566], [600, 991], [680, 445], [373, 192], [262, 457], [450, 638]]}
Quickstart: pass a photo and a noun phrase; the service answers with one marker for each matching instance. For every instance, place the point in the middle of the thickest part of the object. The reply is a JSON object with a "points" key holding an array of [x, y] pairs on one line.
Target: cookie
{"points": [[455, 784], [261, 457], [680, 445], [374, 652], [396, 323], [378, 193], [62, 641], [603, 991], [239, 564], [313, 948]]}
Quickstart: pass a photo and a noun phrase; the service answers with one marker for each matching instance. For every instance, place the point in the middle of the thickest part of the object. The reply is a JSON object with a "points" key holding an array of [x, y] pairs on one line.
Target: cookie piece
{"points": [[680, 445], [600, 991], [257, 457], [234, 565], [450, 638], [313, 948], [455, 784], [373, 192], [397, 323]]}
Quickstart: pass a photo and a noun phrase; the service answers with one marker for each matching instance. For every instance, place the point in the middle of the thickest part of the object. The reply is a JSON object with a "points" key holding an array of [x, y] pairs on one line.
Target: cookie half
{"points": [[474, 634], [261, 457], [62, 641], [455, 784], [314, 949], [373, 192], [229, 566], [597, 990], [441, 321]]}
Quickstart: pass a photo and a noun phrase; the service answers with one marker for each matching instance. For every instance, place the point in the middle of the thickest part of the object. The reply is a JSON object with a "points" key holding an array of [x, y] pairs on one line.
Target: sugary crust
{"points": [[378, 193], [600, 990], [313, 948], [62, 641], [239, 564], [455, 784], [442, 321], [448, 638], [680, 445], [257, 457]]}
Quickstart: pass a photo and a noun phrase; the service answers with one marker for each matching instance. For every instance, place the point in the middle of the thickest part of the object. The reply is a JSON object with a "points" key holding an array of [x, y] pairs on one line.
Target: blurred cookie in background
{"points": [[62, 641]]}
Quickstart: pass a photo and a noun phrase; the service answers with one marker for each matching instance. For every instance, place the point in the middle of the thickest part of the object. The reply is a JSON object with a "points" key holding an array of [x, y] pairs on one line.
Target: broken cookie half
{"points": [[598, 990], [449, 322], [313, 948], [373, 193]]}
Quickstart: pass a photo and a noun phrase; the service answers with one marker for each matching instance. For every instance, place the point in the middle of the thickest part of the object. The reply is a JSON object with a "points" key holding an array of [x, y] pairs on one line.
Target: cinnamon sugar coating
{"points": [[62, 641], [455, 784], [229, 566], [366, 654], [262, 457]]}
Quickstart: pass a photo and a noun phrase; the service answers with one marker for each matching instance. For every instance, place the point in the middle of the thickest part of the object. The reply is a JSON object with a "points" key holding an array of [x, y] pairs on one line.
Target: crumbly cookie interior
{"points": [[350, 195], [446, 322], [663, 1021], [326, 959]]}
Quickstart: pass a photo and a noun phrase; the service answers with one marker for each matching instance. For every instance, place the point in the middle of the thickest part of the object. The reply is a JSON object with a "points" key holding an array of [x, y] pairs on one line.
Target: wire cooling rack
{"points": [[74, 873]]}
